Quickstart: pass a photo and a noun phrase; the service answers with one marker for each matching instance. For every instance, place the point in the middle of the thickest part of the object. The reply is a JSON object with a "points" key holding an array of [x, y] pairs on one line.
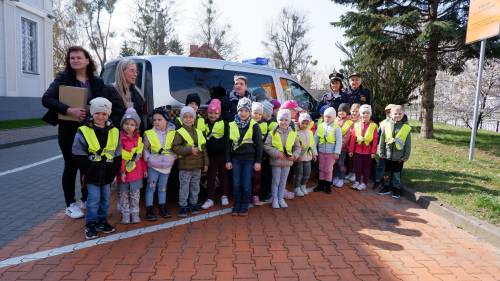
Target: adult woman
{"points": [[130, 95], [230, 104], [335, 96], [78, 72]]}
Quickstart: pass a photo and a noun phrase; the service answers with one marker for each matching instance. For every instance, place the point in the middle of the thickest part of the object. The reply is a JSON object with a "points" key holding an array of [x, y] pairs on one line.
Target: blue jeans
{"points": [[97, 203], [242, 184], [156, 180]]}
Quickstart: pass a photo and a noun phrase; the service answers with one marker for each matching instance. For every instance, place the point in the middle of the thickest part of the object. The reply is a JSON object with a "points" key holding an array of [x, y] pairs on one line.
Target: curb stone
{"points": [[29, 141], [480, 229]]}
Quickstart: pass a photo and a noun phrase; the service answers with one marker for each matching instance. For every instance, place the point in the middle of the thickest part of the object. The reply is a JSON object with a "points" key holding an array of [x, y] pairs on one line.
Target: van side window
{"points": [[108, 74], [204, 81], [293, 91]]}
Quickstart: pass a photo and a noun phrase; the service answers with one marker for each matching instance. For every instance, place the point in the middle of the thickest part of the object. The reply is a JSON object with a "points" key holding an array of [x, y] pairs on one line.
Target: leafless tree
{"points": [[64, 32]]}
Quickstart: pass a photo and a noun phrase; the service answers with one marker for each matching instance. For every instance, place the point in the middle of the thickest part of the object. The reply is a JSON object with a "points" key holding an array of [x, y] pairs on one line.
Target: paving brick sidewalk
{"points": [[13, 137], [345, 236]]}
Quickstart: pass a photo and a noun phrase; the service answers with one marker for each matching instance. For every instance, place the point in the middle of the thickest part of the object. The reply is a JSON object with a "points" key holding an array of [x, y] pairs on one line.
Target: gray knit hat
{"points": [[130, 113], [257, 107], [245, 103], [267, 108]]}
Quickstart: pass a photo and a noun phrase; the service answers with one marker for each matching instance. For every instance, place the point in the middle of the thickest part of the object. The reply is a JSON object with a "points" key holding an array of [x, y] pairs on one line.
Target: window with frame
{"points": [[29, 46]]}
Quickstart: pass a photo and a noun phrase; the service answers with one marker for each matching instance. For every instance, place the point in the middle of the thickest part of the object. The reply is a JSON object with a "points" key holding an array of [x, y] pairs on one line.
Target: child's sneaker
{"points": [[361, 186], [276, 204], [303, 188], [136, 218], [224, 201], [386, 190], [282, 203], [351, 177], [125, 218], [90, 231], [82, 205], [355, 185], [209, 203], [256, 200], [105, 227], [74, 212], [298, 192], [183, 212], [289, 195], [396, 193], [334, 181], [340, 183], [194, 209]]}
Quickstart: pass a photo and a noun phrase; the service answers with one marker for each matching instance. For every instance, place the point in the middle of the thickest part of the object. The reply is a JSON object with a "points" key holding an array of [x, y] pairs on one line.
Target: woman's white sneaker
{"points": [[74, 212]]}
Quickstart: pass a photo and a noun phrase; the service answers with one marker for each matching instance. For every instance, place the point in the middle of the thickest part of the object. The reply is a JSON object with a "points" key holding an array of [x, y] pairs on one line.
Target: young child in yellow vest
{"points": [[345, 124], [355, 117], [302, 170], [190, 144], [217, 135], [328, 139], [193, 100], [96, 150], [363, 147], [244, 154], [257, 116], [283, 147], [133, 169], [395, 148], [160, 158], [266, 175], [379, 170]]}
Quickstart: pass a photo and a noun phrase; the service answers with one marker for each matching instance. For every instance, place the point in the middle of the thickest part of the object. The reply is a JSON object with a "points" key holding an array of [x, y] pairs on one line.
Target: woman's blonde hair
{"points": [[121, 85]]}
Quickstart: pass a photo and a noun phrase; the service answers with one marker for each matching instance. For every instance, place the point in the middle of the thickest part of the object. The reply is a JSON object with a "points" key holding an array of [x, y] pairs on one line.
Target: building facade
{"points": [[26, 58]]}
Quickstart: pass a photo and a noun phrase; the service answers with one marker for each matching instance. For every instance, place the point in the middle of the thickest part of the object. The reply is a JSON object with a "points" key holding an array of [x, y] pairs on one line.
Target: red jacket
{"points": [[141, 167], [363, 148]]}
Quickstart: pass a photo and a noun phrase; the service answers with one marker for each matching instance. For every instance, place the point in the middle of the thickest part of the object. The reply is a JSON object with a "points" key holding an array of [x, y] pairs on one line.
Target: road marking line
{"points": [[108, 239], [22, 168]]}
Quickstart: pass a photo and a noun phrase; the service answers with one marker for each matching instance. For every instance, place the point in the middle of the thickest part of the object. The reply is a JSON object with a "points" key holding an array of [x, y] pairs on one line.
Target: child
{"points": [[309, 153], [189, 144], [97, 152], [283, 148], [321, 113], [363, 147], [160, 158], [257, 112], [274, 123], [266, 178], [193, 101], [244, 154], [345, 125], [294, 108], [395, 149], [217, 135], [379, 171], [133, 168], [354, 118], [328, 138]]}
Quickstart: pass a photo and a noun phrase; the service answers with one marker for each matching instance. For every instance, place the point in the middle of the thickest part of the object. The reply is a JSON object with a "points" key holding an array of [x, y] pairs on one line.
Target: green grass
{"points": [[15, 124], [440, 168]]}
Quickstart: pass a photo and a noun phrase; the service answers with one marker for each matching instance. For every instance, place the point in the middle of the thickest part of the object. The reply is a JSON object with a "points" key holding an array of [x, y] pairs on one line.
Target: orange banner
{"points": [[484, 20]]}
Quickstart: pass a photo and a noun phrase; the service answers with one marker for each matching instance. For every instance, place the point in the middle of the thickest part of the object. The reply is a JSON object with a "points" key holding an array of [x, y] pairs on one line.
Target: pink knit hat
{"points": [[214, 106], [276, 104], [290, 104]]}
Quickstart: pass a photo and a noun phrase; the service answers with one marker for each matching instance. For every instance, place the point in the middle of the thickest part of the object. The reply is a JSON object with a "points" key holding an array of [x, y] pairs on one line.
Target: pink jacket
{"points": [[128, 143], [363, 148]]}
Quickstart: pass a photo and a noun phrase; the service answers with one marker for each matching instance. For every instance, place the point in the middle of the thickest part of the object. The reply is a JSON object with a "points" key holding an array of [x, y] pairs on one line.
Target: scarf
{"points": [[240, 123]]}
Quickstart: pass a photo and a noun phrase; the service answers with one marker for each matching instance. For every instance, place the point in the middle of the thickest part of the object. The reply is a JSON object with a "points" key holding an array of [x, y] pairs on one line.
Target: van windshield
{"points": [[214, 83]]}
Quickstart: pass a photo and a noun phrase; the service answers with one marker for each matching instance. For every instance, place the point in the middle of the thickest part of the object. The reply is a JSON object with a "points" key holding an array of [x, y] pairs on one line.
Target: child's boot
{"points": [[135, 218], [320, 187], [125, 218], [274, 191], [150, 214], [164, 211], [328, 187]]}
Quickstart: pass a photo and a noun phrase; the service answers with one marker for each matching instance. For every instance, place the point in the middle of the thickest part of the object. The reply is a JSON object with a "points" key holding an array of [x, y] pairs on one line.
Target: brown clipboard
{"points": [[72, 97]]}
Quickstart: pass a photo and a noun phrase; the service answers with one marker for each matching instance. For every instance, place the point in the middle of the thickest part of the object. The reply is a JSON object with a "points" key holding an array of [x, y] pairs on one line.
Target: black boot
{"points": [[320, 187], [164, 212], [328, 187], [150, 214]]}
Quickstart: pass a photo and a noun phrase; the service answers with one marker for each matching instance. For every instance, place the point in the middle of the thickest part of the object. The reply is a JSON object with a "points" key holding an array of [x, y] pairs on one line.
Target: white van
{"points": [[167, 80]]}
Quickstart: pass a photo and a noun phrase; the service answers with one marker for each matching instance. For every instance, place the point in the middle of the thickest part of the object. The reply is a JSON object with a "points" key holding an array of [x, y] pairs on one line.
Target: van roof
{"points": [[203, 61]]}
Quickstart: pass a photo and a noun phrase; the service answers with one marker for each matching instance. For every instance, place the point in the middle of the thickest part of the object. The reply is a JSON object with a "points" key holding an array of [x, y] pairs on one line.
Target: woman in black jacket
{"points": [[79, 72]]}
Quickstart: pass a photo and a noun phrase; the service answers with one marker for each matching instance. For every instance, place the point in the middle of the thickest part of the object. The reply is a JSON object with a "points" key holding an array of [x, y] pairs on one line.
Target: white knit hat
{"points": [[330, 112], [304, 117], [257, 107], [284, 114], [364, 108], [187, 109], [100, 105]]}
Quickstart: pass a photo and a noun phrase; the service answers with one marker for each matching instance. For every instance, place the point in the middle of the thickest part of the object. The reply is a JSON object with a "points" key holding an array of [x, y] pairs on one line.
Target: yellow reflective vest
{"points": [[321, 134], [187, 137], [272, 125], [155, 142], [132, 156], [93, 144], [346, 127], [368, 137], [217, 130], [400, 138], [290, 140], [310, 145], [263, 128], [234, 134]]}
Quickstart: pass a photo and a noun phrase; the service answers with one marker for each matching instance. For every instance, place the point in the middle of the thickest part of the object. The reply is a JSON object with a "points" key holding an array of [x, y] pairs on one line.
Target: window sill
{"points": [[32, 73]]}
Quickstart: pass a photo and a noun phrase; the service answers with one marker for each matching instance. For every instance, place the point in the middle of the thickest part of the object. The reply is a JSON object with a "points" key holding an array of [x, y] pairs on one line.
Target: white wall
{"points": [[2, 52]]}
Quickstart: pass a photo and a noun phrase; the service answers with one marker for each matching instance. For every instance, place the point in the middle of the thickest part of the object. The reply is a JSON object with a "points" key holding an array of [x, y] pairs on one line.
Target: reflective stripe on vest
{"points": [[217, 130], [234, 134], [200, 123], [346, 127], [132, 156], [368, 137], [187, 137], [321, 134], [94, 146], [290, 140], [400, 137], [310, 145], [155, 143], [263, 128]]}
